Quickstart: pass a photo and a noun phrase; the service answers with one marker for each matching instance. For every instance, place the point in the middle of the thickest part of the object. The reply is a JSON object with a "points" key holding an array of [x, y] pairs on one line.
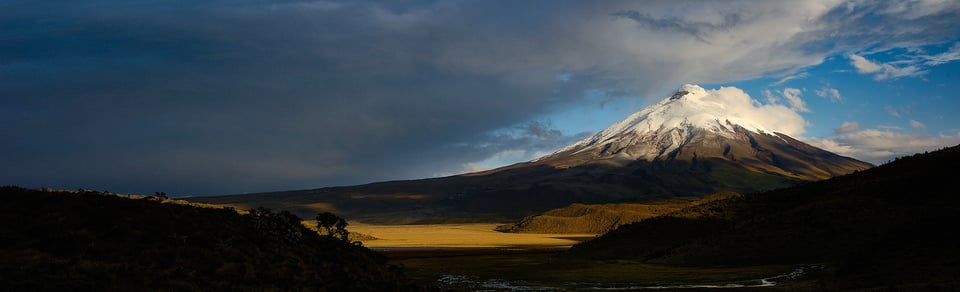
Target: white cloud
{"points": [[793, 97], [913, 63], [863, 65], [913, 9], [738, 105], [892, 71], [953, 54], [847, 127], [725, 103], [833, 146], [783, 80], [827, 92], [882, 71], [893, 112], [879, 146], [918, 125], [771, 99]]}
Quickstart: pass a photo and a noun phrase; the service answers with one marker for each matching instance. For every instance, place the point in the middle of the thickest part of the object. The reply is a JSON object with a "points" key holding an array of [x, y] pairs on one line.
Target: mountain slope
{"points": [[883, 226], [691, 144], [601, 218]]}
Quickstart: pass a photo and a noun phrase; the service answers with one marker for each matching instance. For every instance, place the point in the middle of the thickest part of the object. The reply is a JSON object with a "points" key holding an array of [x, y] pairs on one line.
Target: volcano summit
{"points": [[694, 125], [692, 143]]}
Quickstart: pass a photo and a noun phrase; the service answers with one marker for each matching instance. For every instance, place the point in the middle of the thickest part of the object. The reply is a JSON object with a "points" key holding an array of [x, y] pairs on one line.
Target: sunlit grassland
{"points": [[474, 235], [475, 253]]}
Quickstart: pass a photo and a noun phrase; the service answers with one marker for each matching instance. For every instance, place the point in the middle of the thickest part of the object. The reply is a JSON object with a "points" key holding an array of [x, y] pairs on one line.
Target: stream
{"points": [[473, 283]]}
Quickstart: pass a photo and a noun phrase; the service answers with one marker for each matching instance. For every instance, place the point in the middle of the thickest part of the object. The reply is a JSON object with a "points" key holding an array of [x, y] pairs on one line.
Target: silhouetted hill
{"points": [[81, 241], [888, 226]]}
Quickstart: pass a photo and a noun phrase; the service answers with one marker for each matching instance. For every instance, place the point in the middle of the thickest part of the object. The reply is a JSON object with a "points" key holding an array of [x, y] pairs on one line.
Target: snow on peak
{"points": [[687, 89], [692, 106]]}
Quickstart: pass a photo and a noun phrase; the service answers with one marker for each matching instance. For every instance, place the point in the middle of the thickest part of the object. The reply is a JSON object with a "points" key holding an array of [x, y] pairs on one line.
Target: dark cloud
{"points": [[210, 97], [218, 97], [699, 30]]}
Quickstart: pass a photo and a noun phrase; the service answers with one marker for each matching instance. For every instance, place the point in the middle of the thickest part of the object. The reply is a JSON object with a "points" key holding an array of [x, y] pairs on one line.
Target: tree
{"points": [[284, 226], [334, 226]]}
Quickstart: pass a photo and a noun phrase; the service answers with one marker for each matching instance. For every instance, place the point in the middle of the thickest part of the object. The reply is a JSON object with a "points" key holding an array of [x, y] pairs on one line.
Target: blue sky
{"points": [[218, 97], [871, 114]]}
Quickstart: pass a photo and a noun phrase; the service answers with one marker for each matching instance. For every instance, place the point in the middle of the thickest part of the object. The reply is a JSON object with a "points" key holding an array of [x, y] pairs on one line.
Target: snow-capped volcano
{"points": [[690, 106], [694, 142], [695, 123]]}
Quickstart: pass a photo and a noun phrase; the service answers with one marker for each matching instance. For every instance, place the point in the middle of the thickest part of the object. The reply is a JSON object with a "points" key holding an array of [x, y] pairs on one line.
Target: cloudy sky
{"points": [[219, 97]]}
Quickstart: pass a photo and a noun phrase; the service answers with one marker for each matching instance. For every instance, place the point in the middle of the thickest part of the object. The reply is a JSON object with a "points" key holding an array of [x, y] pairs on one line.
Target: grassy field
{"points": [[474, 235], [475, 257]]}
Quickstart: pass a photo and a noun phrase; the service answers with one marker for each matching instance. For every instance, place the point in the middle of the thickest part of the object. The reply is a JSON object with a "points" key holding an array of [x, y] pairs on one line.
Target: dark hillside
{"points": [[888, 226], [69, 241], [601, 218], [596, 219]]}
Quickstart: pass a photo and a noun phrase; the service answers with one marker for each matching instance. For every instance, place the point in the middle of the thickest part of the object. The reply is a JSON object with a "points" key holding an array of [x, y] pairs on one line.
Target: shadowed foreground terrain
{"points": [[890, 226], [68, 241]]}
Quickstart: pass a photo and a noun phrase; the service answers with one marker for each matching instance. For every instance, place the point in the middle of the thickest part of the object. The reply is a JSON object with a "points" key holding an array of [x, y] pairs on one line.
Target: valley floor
{"points": [[548, 271], [475, 235], [475, 257]]}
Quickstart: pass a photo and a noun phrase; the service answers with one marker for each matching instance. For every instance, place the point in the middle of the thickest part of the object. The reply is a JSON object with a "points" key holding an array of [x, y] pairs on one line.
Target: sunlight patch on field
{"points": [[475, 235], [322, 207]]}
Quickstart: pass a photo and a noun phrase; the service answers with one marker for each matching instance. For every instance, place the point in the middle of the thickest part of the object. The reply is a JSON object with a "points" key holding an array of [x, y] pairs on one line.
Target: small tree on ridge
{"points": [[334, 226]]}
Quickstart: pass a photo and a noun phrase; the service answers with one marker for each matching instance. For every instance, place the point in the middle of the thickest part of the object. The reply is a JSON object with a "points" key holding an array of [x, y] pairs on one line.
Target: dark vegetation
{"points": [[69, 241], [333, 226], [888, 227]]}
